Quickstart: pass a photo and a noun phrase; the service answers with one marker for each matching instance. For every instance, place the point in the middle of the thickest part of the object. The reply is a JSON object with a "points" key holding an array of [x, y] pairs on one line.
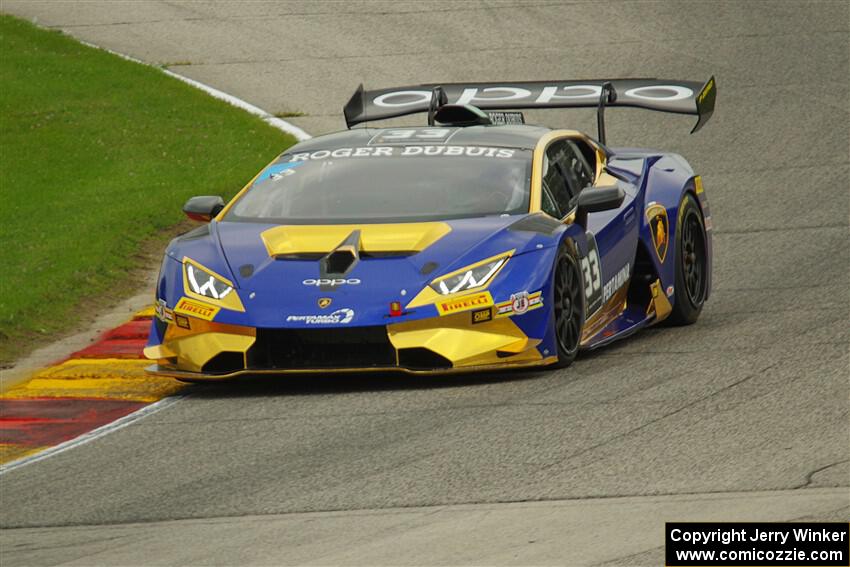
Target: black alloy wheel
{"points": [[691, 264], [693, 257], [568, 306]]}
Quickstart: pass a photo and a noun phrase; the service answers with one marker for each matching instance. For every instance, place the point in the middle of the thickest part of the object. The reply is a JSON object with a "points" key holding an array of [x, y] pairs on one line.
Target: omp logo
{"points": [[544, 95], [338, 317], [482, 315], [483, 299], [195, 309], [331, 282]]}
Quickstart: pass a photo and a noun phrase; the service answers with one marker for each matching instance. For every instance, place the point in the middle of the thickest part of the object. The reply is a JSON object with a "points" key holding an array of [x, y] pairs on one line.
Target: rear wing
{"points": [[680, 97]]}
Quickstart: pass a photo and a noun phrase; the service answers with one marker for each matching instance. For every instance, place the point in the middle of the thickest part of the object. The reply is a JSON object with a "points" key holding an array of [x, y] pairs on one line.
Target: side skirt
{"points": [[633, 318], [629, 322]]}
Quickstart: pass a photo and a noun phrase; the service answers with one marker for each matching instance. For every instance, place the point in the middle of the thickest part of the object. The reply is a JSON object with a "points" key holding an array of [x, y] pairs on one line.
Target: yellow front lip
{"points": [[464, 344], [193, 347], [158, 370]]}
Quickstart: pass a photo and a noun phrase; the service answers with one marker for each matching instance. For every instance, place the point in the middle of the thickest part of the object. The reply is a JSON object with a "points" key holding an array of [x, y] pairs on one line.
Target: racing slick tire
{"points": [[568, 306], [691, 264]]}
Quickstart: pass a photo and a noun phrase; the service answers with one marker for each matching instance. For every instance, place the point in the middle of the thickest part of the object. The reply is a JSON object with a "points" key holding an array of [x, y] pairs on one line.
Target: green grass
{"points": [[289, 114], [97, 155]]}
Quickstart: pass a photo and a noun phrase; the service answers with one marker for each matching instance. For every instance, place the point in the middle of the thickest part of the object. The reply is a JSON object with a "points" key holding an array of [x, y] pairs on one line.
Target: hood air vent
{"points": [[343, 258], [304, 242]]}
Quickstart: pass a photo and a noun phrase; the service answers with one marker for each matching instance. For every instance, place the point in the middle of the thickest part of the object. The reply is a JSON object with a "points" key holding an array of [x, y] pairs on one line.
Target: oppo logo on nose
{"points": [[330, 282]]}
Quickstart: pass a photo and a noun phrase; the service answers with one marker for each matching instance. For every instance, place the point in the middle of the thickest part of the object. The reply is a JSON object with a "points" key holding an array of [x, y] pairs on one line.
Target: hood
{"points": [[257, 251], [279, 270]]}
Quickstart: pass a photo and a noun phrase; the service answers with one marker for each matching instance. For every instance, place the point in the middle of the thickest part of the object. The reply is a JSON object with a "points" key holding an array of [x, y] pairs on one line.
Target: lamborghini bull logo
{"points": [[659, 228]]}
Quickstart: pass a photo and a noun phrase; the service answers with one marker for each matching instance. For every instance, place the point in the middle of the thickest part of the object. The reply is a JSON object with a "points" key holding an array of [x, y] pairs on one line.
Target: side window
{"points": [[547, 203], [584, 164], [559, 176]]}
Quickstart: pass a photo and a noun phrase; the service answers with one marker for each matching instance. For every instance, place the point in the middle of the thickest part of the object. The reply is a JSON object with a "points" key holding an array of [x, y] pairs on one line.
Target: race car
{"points": [[470, 242]]}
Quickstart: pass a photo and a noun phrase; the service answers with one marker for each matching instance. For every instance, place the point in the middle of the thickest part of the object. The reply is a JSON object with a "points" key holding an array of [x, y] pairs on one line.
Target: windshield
{"points": [[388, 184]]}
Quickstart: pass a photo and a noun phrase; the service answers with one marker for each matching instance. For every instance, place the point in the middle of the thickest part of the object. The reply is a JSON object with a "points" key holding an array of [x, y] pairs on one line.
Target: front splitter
{"points": [[158, 370]]}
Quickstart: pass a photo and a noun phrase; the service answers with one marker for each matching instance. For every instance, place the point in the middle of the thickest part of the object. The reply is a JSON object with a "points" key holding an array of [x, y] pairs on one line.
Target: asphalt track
{"points": [[741, 416]]}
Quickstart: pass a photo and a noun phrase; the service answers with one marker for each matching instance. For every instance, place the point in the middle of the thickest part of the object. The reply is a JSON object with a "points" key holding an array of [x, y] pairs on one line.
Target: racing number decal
{"points": [[592, 270], [413, 135], [592, 279], [418, 134], [590, 267]]}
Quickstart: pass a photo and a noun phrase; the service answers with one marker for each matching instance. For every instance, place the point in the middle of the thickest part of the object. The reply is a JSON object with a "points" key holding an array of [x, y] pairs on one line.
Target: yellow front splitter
{"points": [[159, 370]]}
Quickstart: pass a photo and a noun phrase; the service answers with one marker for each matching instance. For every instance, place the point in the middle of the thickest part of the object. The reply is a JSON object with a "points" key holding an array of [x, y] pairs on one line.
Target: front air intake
{"points": [[294, 349], [225, 363], [422, 359]]}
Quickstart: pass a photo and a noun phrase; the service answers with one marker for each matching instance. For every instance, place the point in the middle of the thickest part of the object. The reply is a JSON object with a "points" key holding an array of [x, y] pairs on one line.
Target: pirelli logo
{"points": [[196, 309], [465, 303]]}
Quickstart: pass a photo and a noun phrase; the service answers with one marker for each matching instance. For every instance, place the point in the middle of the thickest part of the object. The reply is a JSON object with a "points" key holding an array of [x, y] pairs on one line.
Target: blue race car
{"points": [[472, 242]]}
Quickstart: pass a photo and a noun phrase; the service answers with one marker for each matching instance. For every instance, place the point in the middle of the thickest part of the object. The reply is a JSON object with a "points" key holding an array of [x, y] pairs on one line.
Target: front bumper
{"points": [[449, 344]]}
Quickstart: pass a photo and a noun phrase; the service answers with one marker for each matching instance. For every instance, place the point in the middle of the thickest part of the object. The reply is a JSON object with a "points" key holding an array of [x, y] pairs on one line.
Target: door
{"points": [[611, 235]]}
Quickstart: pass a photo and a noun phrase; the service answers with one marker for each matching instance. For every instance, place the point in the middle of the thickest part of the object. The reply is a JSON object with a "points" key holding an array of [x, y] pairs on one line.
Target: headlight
{"points": [[475, 276], [204, 283]]}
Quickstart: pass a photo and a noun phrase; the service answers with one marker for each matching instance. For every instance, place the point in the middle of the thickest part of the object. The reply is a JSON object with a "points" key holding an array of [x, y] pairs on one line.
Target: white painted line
{"points": [[128, 419], [273, 121]]}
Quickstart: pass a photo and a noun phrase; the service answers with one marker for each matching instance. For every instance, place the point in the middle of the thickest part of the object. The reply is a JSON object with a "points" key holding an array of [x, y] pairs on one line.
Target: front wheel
{"points": [[568, 308], [691, 263]]}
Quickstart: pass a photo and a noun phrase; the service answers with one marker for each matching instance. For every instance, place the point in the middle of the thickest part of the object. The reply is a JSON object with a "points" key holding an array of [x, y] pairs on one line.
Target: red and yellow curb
{"points": [[93, 387]]}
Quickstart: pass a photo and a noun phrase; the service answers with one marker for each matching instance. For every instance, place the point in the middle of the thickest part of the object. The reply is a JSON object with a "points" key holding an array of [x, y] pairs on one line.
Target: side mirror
{"points": [[204, 208], [596, 199]]}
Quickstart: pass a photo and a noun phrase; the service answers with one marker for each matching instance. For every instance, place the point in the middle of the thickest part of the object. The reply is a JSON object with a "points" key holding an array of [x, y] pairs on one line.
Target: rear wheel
{"points": [[568, 308], [691, 263]]}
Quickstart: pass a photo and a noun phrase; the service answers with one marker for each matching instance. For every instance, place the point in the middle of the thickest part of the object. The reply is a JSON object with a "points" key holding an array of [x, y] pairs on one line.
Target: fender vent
{"points": [[644, 275]]}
